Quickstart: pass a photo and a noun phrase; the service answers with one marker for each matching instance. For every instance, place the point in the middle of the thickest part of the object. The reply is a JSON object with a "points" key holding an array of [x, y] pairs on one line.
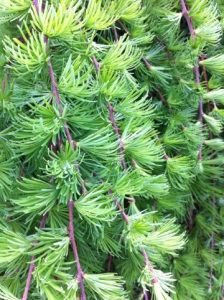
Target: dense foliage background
{"points": [[111, 149]]}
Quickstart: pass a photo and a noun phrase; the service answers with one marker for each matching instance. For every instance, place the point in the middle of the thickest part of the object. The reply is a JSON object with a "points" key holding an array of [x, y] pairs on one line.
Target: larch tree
{"points": [[111, 149]]}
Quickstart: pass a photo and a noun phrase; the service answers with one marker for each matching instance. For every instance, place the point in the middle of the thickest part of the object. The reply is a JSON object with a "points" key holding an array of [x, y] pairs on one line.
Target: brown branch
{"points": [[125, 217], [196, 71], [32, 264], [73, 144]]}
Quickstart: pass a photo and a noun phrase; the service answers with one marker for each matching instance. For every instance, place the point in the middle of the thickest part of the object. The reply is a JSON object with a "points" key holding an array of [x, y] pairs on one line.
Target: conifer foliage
{"points": [[111, 149]]}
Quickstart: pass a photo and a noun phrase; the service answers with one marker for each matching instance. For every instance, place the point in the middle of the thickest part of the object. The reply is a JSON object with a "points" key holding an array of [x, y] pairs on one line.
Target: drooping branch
{"points": [[32, 264], [55, 91], [188, 19], [29, 279], [115, 33], [122, 212], [58, 101], [80, 273], [213, 242], [123, 165], [146, 297], [71, 230]]}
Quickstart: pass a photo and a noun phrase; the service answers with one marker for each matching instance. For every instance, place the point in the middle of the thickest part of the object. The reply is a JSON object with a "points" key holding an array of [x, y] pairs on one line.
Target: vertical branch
{"points": [[123, 164], [162, 99], [58, 101], [32, 264], [121, 210], [146, 297], [196, 71], [55, 92], [147, 63], [29, 279], [113, 122], [188, 19], [212, 244], [71, 230], [205, 75], [54, 87], [43, 221], [73, 144], [80, 273]]}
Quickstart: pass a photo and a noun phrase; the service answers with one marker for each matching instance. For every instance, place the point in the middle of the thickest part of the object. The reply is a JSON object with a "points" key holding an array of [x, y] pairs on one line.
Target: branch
{"points": [[36, 5], [32, 264], [197, 80], [205, 75], [196, 70], [162, 98], [80, 273], [212, 243], [71, 202], [96, 64], [188, 19], [146, 297], [121, 210], [115, 33], [117, 132], [124, 167], [147, 63], [56, 94], [123, 27]]}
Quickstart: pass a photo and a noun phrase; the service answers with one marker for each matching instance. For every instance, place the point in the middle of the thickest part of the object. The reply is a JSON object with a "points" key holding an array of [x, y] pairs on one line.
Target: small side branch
{"points": [[117, 132]]}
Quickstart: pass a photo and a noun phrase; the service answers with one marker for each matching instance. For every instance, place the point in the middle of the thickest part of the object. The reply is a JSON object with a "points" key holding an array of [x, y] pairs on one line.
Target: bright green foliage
{"points": [[27, 56], [161, 287], [13, 246], [161, 237], [33, 134], [115, 107], [43, 196], [96, 206], [57, 22], [105, 286]]}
